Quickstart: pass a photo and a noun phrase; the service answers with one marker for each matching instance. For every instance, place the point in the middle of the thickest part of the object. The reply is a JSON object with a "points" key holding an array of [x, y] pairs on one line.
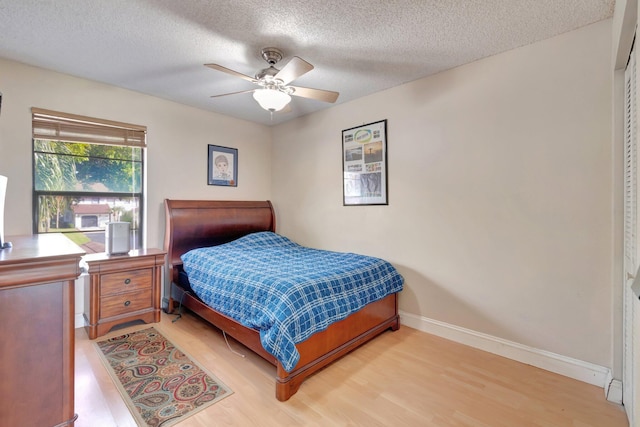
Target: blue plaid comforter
{"points": [[286, 291]]}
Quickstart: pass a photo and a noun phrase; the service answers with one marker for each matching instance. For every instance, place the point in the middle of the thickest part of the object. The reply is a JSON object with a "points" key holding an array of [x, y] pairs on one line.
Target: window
{"points": [[87, 172]]}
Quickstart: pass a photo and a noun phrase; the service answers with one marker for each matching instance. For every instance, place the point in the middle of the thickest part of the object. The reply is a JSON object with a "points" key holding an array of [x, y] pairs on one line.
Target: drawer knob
{"points": [[127, 281], [127, 303]]}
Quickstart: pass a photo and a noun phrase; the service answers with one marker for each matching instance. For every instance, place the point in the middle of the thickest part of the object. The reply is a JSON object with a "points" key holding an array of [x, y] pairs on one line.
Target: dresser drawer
{"points": [[125, 303], [116, 283]]}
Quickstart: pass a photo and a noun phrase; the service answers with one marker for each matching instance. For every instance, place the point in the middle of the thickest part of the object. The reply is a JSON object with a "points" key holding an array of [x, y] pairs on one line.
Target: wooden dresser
{"points": [[37, 330], [122, 288]]}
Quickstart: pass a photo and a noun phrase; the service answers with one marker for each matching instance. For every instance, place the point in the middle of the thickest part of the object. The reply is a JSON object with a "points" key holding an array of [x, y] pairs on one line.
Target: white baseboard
{"points": [[613, 390], [573, 368]]}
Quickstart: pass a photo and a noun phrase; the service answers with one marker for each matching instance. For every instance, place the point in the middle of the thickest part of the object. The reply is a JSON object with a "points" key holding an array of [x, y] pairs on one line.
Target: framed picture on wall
{"points": [[222, 166], [364, 164]]}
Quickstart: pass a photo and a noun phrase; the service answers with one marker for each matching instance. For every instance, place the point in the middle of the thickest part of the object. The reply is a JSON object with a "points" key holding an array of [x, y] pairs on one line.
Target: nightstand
{"points": [[122, 288]]}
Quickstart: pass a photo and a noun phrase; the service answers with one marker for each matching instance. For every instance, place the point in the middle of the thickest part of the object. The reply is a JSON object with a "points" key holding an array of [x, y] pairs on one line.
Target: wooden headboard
{"points": [[194, 224]]}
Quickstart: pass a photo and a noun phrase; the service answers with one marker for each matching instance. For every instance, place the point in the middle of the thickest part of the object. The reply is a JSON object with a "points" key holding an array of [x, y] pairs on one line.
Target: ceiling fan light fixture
{"points": [[275, 93], [271, 99]]}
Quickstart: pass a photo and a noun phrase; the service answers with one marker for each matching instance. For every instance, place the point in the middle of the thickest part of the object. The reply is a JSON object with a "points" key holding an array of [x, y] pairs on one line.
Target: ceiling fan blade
{"points": [[294, 69], [232, 93], [229, 71], [318, 94]]}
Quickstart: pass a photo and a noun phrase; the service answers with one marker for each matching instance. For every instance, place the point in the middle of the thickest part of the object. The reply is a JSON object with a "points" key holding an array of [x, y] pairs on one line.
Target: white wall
{"points": [[177, 139], [500, 177]]}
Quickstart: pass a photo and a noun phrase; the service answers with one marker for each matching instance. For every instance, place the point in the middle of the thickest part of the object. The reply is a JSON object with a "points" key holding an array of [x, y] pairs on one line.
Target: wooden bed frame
{"points": [[192, 224]]}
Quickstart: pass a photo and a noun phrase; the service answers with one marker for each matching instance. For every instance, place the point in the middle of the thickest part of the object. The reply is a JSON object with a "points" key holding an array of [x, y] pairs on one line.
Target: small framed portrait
{"points": [[222, 166]]}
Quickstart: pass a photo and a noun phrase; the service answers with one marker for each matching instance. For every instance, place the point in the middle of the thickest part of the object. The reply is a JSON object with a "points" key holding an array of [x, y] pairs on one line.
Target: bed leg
{"points": [[396, 325], [285, 388], [170, 306]]}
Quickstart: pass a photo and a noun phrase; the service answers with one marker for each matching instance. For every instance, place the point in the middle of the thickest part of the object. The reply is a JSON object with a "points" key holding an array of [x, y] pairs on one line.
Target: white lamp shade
{"points": [[270, 99]]}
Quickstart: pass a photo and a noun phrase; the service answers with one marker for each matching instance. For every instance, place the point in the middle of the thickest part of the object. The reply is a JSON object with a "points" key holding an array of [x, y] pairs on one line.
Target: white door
{"points": [[631, 312]]}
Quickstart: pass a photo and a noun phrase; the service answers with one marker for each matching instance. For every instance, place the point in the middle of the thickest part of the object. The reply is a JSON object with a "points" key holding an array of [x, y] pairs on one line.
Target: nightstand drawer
{"points": [[125, 303], [125, 281]]}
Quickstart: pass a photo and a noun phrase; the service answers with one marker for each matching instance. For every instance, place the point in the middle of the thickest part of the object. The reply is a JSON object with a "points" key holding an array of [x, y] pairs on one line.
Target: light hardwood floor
{"points": [[402, 378]]}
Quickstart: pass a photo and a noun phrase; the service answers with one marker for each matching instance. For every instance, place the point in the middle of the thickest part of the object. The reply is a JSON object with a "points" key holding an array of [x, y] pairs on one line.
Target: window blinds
{"points": [[53, 125]]}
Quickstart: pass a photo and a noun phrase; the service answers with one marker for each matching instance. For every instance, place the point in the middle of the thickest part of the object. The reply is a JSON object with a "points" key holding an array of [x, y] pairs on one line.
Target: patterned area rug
{"points": [[160, 384]]}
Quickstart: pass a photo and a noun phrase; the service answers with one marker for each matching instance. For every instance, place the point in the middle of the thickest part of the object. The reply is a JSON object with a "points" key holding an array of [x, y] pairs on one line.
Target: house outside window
{"points": [[87, 172]]}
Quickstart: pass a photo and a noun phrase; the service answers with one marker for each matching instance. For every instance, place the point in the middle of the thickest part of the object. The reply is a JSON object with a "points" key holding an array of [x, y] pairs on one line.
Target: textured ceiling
{"points": [[158, 47]]}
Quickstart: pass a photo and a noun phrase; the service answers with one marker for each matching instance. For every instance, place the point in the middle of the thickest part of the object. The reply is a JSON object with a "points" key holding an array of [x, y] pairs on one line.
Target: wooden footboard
{"points": [[324, 347], [317, 351]]}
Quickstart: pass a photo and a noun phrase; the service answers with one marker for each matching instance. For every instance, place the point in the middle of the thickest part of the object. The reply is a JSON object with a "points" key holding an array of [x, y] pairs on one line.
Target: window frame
{"points": [[48, 125]]}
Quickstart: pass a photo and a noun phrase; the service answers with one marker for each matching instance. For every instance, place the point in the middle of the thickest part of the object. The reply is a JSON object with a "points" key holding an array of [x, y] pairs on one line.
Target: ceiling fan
{"points": [[275, 92]]}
